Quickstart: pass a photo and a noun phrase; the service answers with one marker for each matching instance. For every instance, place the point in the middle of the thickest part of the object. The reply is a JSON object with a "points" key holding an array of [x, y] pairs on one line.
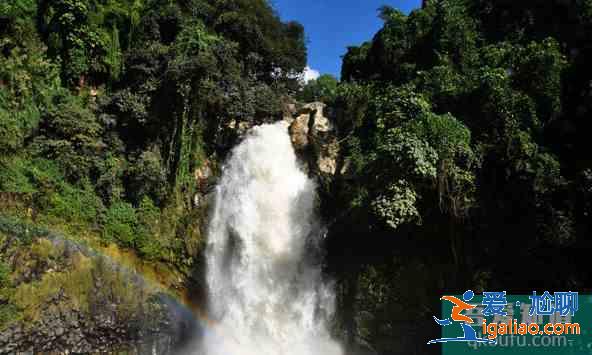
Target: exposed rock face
{"points": [[82, 302], [314, 137], [299, 131], [205, 179], [313, 134], [62, 331]]}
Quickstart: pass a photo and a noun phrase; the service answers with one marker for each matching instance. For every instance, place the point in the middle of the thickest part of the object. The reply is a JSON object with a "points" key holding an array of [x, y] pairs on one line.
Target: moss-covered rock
{"points": [[60, 296]]}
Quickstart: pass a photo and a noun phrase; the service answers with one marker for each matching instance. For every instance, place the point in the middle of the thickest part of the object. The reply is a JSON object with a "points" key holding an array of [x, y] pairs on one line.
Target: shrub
{"points": [[148, 177], [77, 205], [10, 134], [148, 230], [71, 135], [14, 176], [8, 312], [121, 223], [4, 275]]}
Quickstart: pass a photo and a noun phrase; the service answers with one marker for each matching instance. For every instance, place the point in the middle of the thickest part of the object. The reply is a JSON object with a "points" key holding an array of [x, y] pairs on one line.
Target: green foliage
{"points": [[107, 107], [193, 39], [464, 127], [4, 275], [138, 228], [263, 37], [109, 184], [71, 135], [450, 137], [76, 205], [442, 83], [454, 34], [11, 137], [397, 204], [147, 177], [408, 152], [353, 66], [28, 77], [19, 13], [585, 7], [19, 7], [397, 105], [115, 103], [120, 224], [456, 160], [148, 230], [534, 69], [73, 38], [404, 153], [8, 311], [538, 73], [21, 175], [85, 36], [24, 233], [463, 115], [324, 89], [42, 181], [29, 81]]}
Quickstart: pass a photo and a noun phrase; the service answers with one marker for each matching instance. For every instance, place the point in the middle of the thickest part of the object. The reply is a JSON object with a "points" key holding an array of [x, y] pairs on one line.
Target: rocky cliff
{"points": [[81, 295], [314, 136], [68, 298]]}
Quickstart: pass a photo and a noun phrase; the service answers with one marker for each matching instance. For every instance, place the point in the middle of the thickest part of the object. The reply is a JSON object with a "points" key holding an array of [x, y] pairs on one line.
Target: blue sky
{"points": [[333, 25]]}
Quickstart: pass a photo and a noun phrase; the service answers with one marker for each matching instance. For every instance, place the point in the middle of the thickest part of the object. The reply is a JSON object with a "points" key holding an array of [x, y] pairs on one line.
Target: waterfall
{"points": [[266, 294]]}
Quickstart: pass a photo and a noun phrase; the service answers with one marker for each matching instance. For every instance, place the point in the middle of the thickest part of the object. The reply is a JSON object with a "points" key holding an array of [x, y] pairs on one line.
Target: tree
{"points": [[324, 88], [70, 134]]}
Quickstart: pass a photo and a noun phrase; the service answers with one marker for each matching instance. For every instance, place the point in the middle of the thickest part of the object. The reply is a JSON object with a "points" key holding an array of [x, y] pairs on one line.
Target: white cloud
{"points": [[310, 74]]}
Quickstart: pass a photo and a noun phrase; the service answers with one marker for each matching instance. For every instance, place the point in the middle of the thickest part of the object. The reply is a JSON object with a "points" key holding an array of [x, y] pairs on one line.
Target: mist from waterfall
{"points": [[266, 294]]}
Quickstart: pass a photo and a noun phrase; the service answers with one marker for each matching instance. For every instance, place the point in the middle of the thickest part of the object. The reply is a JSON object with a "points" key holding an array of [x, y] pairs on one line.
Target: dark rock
{"points": [[60, 330]]}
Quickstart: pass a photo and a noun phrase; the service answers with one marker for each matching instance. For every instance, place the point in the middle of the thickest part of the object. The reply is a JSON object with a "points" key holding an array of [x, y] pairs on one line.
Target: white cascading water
{"points": [[265, 287]]}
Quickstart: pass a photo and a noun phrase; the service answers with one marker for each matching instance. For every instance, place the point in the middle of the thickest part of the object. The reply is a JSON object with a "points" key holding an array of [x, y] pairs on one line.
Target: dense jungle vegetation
{"points": [[463, 130], [107, 109], [464, 126]]}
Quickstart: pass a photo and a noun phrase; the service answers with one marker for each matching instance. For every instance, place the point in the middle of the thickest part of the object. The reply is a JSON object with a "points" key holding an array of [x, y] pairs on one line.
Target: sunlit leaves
{"points": [[397, 204], [322, 89], [410, 154]]}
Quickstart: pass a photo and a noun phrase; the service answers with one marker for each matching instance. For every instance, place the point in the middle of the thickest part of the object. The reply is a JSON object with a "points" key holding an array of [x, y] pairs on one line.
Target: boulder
{"points": [[314, 137], [299, 131]]}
